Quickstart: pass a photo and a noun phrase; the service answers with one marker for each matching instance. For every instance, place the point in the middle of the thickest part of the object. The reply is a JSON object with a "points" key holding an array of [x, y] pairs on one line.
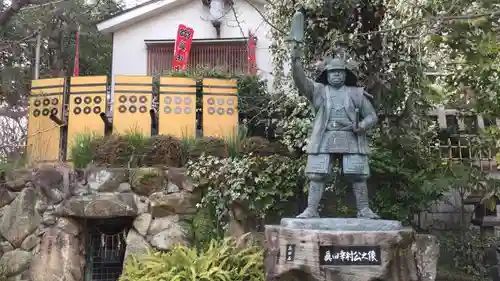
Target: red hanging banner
{"points": [[252, 62], [182, 47]]}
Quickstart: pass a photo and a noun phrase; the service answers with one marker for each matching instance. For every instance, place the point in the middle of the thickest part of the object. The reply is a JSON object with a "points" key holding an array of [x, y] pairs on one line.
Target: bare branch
{"points": [[6, 44], [14, 8], [264, 17], [237, 21], [6, 112]]}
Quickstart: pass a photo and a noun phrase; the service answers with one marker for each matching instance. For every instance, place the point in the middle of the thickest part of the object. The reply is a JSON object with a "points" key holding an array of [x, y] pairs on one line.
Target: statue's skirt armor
{"points": [[351, 165]]}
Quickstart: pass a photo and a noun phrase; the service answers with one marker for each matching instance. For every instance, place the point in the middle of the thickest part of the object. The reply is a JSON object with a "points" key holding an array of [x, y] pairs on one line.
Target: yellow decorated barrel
{"points": [[132, 98], [220, 108], [87, 100], [43, 140], [177, 107]]}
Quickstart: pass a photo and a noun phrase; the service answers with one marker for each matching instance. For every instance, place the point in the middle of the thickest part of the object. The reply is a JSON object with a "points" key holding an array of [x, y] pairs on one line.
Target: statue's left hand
{"points": [[357, 129]]}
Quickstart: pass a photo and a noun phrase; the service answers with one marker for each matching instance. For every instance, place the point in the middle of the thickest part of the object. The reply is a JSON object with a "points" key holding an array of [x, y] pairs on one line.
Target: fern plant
{"points": [[221, 260]]}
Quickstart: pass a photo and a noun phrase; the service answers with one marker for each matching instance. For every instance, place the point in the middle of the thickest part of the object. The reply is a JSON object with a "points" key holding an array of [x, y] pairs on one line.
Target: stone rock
{"points": [[56, 196], [159, 224], [49, 218], [30, 242], [17, 179], [20, 219], [3, 210], [50, 181], [103, 205], [166, 232], [5, 247], [58, 258], [145, 181], [426, 248], [341, 224], [69, 225], [165, 204], [41, 206], [177, 177], [124, 187], [6, 197], [172, 188], [168, 238], [15, 261], [141, 223], [106, 180], [142, 204], [19, 174], [36, 250], [80, 189], [41, 230], [395, 262], [136, 245], [23, 276], [15, 185]]}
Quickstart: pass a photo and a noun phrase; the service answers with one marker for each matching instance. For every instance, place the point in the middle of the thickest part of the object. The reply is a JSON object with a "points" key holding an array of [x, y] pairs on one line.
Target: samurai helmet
{"points": [[330, 64]]}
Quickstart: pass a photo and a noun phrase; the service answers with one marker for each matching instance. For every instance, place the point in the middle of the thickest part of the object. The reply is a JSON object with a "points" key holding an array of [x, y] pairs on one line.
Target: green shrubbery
{"points": [[222, 260], [261, 176], [134, 150]]}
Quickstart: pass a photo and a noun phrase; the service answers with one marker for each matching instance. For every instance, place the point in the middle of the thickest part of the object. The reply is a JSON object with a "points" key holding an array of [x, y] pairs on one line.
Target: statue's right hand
{"points": [[296, 51]]}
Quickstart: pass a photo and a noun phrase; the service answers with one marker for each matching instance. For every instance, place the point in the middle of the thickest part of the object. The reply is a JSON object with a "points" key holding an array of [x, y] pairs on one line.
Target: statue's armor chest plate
{"points": [[337, 139], [338, 102]]}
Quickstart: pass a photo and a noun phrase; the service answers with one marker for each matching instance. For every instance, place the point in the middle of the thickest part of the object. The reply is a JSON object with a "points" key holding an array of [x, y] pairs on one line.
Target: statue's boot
{"points": [[315, 193], [362, 201]]}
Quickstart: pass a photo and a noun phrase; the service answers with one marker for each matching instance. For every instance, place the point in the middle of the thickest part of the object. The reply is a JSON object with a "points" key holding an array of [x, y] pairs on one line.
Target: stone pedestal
{"points": [[333, 249]]}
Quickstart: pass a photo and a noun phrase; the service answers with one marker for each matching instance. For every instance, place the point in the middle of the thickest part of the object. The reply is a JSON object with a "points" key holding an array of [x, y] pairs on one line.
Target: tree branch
{"points": [[434, 19], [5, 44], [264, 17], [14, 8], [237, 20], [41, 5], [405, 26], [6, 112]]}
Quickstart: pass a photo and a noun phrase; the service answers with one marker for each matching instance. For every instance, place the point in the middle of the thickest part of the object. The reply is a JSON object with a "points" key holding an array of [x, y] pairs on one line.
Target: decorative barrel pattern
{"points": [[87, 100], [44, 135], [220, 108], [132, 100], [177, 108]]}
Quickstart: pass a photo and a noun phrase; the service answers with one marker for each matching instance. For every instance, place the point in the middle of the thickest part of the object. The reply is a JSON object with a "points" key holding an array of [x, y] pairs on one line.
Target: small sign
{"points": [[290, 252], [353, 255]]}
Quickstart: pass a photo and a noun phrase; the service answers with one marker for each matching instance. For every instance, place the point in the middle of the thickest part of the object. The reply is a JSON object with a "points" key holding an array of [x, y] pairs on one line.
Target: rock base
{"points": [[341, 224], [344, 255]]}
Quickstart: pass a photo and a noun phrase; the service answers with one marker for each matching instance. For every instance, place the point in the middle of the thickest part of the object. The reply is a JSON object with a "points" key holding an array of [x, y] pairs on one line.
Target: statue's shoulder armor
{"points": [[358, 93]]}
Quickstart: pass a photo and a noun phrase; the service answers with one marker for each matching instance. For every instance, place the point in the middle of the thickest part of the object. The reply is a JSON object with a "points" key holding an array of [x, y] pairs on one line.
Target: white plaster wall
{"points": [[129, 48]]}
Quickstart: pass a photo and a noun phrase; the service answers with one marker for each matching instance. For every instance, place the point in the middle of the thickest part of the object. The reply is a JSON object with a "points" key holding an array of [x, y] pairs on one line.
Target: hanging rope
{"points": [[111, 244]]}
